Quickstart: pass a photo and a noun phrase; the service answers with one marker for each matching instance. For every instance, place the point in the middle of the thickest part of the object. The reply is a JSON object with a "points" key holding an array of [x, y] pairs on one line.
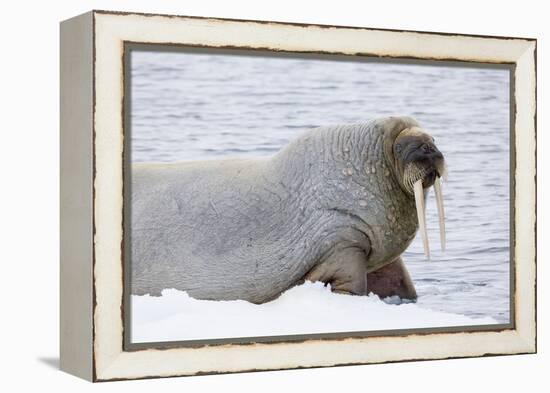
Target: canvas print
{"points": [[273, 195]]}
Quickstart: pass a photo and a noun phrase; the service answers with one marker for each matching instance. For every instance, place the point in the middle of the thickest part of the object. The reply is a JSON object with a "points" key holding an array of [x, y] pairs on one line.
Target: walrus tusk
{"points": [[420, 211], [440, 212], [442, 169]]}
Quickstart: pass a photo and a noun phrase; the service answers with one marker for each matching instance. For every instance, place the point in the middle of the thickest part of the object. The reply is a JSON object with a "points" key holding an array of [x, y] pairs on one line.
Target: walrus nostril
{"points": [[431, 151]]}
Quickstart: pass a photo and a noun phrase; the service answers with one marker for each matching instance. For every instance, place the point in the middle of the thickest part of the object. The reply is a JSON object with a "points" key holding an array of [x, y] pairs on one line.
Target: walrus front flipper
{"points": [[345, 270], [392, 280]]}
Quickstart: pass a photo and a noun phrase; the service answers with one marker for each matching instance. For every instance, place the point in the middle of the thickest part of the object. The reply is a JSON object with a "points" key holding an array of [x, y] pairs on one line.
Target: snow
{"points": [[306, 309]]}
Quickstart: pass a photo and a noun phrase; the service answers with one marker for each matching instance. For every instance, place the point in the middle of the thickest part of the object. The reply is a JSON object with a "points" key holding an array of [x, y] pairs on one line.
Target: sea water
{"points": [[191, 106]]}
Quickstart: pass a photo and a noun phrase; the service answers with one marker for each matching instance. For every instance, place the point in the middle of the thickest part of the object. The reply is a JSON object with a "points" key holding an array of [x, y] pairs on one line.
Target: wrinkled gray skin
{"points": [[328, 207]]}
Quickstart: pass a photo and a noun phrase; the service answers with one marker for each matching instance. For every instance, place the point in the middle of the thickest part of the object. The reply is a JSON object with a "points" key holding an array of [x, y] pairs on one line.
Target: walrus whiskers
{"points": [[412, 174]]}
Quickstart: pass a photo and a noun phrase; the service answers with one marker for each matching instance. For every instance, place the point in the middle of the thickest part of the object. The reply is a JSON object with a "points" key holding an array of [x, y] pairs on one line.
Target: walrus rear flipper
{"points": [[392, 280]]}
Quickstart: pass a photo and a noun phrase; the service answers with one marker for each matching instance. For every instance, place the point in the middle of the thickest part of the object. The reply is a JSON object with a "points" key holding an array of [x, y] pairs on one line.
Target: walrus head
{"points": [[418, 165]]}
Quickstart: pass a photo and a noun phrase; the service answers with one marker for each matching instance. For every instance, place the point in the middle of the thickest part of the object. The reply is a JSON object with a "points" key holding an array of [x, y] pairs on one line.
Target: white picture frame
{"points": [[92, 189]]}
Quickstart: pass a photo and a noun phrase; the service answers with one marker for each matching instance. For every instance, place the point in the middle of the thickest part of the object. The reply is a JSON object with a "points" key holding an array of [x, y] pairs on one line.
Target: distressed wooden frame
{"points": [[92, 189]]}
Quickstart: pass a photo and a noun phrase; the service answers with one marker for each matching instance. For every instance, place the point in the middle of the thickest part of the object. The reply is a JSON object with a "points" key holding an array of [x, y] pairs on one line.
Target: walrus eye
{"points": [[398, 148]]}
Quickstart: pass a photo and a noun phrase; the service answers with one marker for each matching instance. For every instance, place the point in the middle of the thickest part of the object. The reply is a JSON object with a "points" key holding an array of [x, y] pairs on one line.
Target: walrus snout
{"points": [[424, 161], [421, 165]]}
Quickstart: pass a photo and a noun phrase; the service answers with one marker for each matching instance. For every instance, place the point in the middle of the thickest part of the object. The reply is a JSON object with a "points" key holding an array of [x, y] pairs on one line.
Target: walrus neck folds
{"points": [[342, 169]]}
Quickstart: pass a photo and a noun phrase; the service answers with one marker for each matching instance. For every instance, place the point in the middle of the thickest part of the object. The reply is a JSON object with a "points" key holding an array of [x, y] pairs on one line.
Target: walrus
{"points": [[338, 204]]}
